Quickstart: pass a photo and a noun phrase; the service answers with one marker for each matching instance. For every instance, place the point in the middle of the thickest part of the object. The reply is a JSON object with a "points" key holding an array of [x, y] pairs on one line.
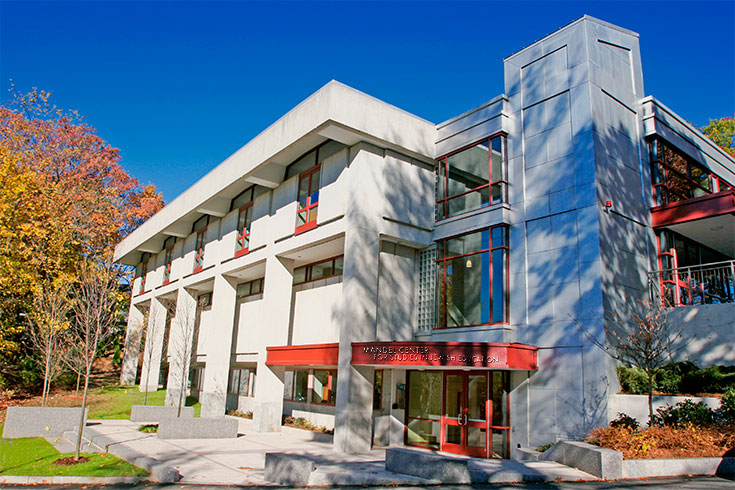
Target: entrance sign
{"points": [[446, 354]]}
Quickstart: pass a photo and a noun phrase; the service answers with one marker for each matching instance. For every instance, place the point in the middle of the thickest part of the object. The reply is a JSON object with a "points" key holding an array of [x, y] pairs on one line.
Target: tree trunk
{"points": [[81, 417], [44, 397], [650, 401], [182, 389], [79, 376]]}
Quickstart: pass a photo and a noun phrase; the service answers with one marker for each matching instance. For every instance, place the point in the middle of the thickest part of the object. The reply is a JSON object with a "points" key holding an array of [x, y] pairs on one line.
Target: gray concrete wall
{"points": [[707, 334]]}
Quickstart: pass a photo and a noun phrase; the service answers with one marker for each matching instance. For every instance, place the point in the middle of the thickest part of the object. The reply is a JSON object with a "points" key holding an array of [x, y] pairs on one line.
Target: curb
{"points": [[160, 472], [103, 480]]}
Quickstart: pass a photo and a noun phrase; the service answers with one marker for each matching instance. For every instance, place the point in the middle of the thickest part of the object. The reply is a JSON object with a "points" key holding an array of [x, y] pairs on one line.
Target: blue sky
{"points": [[179, 86]]}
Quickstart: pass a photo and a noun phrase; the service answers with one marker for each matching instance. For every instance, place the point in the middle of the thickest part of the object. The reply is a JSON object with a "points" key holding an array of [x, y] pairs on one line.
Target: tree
{"points": [[722, 132], [48, 320], [95, 320], [642, 338], [181, 348], [64, 197]]}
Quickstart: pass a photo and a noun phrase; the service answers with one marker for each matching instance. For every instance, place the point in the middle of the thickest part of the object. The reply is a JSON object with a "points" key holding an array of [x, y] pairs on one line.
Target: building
{"points": [[437, 285]]}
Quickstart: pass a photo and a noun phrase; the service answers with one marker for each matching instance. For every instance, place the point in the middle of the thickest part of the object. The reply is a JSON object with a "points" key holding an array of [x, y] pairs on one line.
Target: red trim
{"points": [[446, 354], [303, 355], [242, 252], [693, 209], [305, 227]]}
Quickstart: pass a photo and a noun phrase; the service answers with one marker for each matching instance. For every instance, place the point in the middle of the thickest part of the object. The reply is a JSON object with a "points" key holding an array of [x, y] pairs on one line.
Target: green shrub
{"points": [[679, 377], [625, 420], [686, 412], [632, 380], [727, 406]]}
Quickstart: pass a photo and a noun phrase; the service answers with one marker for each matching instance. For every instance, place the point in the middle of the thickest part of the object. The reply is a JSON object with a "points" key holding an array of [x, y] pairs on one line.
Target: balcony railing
{"points": [[694, 285]]}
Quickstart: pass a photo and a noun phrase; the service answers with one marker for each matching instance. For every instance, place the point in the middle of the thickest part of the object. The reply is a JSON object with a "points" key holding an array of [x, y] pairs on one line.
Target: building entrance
{"points": [[463, 412]]}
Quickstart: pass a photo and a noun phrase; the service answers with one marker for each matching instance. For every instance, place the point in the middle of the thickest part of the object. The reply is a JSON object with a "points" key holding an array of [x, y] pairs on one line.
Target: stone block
{"points": [[645, 468], [427, 465], [288, 469], [156, 413], [210, 428], [41, 421], [597, 461]]}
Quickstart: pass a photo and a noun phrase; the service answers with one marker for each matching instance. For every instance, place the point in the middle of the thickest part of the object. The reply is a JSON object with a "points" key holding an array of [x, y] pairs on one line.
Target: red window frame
{"points": [[441, 263], [443, 174], [199, 249], [242, 246], [168, 258], [308, 204]]}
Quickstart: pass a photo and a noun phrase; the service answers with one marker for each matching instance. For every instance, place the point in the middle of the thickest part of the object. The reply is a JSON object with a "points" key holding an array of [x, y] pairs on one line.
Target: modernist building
{"points": [[437, 285]]}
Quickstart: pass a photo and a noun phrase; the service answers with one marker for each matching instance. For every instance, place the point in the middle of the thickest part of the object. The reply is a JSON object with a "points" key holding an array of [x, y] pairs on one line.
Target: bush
{"points": [[727, 407], [679, 377], [632, 380], [686, 413], [625, 420]]}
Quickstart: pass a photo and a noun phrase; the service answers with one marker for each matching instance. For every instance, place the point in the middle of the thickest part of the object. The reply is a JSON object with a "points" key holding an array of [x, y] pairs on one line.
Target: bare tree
{"points": [[48, 319], [181, 348], [95, 309], [643, 338], [153, 327]]}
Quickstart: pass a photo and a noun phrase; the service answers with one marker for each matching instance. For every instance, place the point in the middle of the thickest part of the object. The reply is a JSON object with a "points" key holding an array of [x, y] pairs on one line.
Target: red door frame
{"points": [[463, 419]]}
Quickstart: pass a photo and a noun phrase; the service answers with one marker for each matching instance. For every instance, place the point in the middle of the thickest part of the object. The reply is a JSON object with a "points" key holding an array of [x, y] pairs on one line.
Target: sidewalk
{"points": [[241, 461]]}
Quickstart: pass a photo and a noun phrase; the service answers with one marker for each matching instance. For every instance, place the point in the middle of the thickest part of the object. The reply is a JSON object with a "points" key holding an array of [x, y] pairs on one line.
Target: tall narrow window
{"points": [[324, 386], [244, 203], [143, 271], [472, 274], [200, 227], [472, 178], [168, 246]]}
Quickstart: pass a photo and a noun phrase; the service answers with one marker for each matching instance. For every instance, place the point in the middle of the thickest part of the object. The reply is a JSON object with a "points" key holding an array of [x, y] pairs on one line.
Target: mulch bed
{"points": [[70, 461]]}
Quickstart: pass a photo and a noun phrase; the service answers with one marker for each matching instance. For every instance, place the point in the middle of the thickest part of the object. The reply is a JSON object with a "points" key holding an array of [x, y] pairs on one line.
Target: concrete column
{"points": [[275, 316], [133, 336], [153, 346], [219, 347], [180, 347], [358, 323]]}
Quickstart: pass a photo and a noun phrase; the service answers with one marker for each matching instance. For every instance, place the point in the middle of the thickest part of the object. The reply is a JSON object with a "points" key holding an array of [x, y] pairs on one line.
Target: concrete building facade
{"points": [[440, 285]]}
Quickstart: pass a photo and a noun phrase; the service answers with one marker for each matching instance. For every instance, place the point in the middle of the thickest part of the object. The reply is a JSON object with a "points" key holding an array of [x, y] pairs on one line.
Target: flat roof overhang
{"points": [[446, 355], [708, 219]]}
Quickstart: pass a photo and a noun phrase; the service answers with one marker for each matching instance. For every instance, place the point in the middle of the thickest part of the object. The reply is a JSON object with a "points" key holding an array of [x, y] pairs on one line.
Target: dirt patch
{"points": [[667, 442], [70, 461]]}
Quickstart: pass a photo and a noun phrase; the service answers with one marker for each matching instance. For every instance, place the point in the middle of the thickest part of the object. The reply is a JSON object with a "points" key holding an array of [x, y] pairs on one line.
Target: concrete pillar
{"points": [[153, 346], [180, 346], [275, 316], [133, 336], [219, 347], [358, 317]]}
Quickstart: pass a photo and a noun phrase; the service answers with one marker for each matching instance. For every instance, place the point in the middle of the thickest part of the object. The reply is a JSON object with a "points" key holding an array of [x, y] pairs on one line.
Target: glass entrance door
{"points": [[465, 414]]}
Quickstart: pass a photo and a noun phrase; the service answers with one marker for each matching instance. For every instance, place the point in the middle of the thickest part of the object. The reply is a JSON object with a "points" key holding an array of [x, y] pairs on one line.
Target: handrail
{"points": [[711, 283]]}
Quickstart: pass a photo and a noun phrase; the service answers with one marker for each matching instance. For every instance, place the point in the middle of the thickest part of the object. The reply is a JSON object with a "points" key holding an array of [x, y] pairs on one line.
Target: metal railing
{"points": [[694, 285]]}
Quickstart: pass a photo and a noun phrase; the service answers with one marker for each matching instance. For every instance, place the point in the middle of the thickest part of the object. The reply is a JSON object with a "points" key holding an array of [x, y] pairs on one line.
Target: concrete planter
{"points": [[644, 468], [154, 414], [41, 421], [209, 428], [637, 405]]}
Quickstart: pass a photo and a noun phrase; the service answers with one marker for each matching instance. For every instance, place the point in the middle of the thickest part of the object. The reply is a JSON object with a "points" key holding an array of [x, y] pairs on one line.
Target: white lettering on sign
{"points": [[414, 353]]}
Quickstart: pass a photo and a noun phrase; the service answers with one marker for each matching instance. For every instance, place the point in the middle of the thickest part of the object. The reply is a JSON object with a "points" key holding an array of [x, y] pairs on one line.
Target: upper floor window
{"points": [[244, 203], [472, 275], [678, 178], [143, 270], [200, 227], [168, 246], [319, 270], [308, 168], [250, 288], [472, 178]]}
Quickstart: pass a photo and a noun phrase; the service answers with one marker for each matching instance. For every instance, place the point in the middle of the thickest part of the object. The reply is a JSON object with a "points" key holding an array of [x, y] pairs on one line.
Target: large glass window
{"points": [[678, 178], [424, 409], [244, 204], [472, 178], [300, 386], [324, 387], [250, 288], [472, 273], [319, 270], [242, 382]]}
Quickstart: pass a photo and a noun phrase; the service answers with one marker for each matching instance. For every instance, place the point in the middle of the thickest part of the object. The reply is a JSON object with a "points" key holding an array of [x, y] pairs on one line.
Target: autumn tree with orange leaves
{"points": [[64, 198]]}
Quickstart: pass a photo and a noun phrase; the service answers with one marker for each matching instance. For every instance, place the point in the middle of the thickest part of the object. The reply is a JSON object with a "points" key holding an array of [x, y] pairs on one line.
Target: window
{"points": [[244, 203], [200, 227], [204, 301], [242, 382], [300, 386], [378, 390], [472, 178], [308, 168], [143, 271], [319, 270], [168, 246], [472, 272], [678, 178], [197, 379], [324, 387], [250, 288]]}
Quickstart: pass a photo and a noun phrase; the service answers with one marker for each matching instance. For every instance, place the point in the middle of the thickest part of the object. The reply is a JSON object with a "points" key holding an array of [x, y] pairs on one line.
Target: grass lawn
{"points": [[35, 456], [115, 402]]}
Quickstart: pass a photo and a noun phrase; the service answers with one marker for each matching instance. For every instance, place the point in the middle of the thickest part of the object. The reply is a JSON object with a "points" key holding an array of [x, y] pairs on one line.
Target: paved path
{"points": [[240, 461]]}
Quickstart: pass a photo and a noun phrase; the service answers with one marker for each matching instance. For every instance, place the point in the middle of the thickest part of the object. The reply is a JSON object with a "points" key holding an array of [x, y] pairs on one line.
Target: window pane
{"points": [[499, 286], [301, 165], [378, 390], [234, 381], [244, 381], [300, 385], [498, 192], [320, 390], [257, 286], [425, 396], [473, 242], [500, 236], [301, 218], [322, 269], [314, 186], [243, 199], [468, 202], [339, 265], [468, 290], [496, 160], [312, 213], [441, 179], [329, 149], [299, 275], [469, 168], [303, 192], [499, 393]]}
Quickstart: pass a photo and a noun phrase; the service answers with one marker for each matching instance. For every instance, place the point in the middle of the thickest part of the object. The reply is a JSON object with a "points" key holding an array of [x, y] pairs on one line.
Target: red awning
{"points": [[303, 355], [446, 354]]}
